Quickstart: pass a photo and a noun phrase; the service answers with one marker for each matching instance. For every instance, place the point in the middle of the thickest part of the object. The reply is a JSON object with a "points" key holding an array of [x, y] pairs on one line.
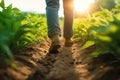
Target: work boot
{"points": [[55, 44], [68, 42]]}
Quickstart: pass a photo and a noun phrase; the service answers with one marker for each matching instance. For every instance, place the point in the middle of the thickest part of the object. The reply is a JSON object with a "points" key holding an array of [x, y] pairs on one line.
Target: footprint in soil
{"points": [[44, 67], [63, 68], [57, 66]]}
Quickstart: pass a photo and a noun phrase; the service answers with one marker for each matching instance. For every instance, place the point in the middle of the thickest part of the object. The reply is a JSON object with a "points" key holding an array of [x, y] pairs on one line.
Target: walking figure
{"points": [[54, 31]]}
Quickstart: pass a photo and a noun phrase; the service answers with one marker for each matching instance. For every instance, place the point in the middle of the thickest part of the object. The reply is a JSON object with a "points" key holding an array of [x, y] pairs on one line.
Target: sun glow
{"points": [[82, 5]]}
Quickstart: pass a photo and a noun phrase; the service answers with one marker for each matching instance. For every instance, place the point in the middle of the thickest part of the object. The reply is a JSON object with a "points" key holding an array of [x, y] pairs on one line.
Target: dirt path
{"points": [[35, 63]]}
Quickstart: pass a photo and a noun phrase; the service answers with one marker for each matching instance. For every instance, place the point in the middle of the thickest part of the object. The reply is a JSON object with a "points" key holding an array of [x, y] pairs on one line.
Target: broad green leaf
{"points": [[9, 8], [2, 4], [7, 50], [87, 44]]}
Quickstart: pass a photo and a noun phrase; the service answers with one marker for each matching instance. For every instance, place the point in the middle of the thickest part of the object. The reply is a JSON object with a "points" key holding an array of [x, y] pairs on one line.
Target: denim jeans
{"points": [[53, 18]]}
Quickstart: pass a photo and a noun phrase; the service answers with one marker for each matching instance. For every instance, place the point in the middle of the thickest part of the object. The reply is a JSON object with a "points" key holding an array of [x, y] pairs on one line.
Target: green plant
{"points": [[101, 29], [10, 21], [18, 30]]}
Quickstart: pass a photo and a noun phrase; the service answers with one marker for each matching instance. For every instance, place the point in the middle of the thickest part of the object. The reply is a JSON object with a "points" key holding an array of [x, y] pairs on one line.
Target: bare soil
{"points": [[35, 63]]}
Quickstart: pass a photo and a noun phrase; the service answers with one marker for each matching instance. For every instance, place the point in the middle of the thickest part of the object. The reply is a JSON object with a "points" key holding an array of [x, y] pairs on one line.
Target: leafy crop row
{"points": [[102, 29], [18, 30]]}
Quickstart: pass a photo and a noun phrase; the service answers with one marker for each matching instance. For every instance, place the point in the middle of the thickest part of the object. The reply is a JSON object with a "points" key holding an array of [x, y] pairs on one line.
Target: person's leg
{"points": [[52, 17], [68, 20], [53, 24]]}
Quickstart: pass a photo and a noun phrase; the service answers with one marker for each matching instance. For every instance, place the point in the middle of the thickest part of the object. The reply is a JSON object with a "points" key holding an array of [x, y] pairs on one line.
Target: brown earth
{"points": [[35, 63]]}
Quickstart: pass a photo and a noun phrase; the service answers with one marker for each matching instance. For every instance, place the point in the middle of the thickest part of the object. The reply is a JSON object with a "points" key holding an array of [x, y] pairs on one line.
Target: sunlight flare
{"points": [[82, 5]]}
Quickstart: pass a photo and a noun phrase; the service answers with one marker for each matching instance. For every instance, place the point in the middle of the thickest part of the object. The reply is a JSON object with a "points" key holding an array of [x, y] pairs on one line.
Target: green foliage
{"points": [[87, 44], [107, 34], [18, 30], [117, 1], [10, 21], [2, 5], [81, 29], [35, 27], [108, 4], [103, 27]]}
